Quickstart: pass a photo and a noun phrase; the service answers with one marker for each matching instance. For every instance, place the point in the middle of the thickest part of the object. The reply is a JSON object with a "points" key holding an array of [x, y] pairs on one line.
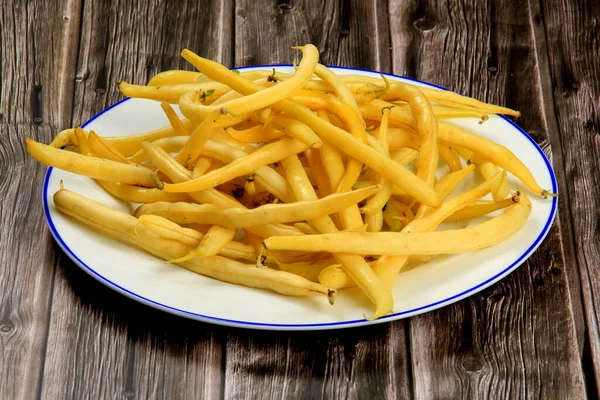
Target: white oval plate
{"points": [[142, 277]]}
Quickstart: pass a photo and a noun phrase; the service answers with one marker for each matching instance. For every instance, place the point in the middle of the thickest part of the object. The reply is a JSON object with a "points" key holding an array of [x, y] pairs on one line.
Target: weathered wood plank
{"points": [[548, 113], [104, 345], [355, 363], [39, 47], [573, 43], [27, 265], [347, 33], [132, 42], [510, 341], [35, 101], [100, 344], [504, 342]]}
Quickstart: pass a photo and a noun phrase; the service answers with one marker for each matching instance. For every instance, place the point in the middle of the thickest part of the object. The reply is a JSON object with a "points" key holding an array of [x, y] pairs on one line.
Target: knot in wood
{"points": [[589, 124], [424, 24], [472, 364], [284, 5]]}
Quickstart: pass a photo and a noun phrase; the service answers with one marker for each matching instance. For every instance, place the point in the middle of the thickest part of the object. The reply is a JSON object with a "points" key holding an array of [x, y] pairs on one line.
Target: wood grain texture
{"points": [[132, 41], [355, 363], [34, 92], [534, 334], [39, 46], [548, 114], [26, 265], [573, 42], [347, 33], [102, 345], [504, 342], [96, 335]]}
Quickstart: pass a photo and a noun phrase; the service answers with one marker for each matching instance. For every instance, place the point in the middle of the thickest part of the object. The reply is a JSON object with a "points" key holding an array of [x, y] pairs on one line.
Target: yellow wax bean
{"points": [[308, 269], [125, 228], [493, 152], [353, 147], [170, 230], [356, 267], [232, 95], [362, 92], [331, 159], [256, 134], [264, 97], [186, 213], [211, 244], [193, 147], [221, 136], [374, 221], [481, 208], [427, 129], [137, 194], [366, 92], [177, 173], [297, 130], [250, 163], [450, 155], [452, 99], [399, 137], [105, 149], [266, 177], [415, 243], [387, 268], [376, 203], [337, 84], [306, 228], [82, 142], [201, 166], [350, 217], [178, 126], [94, 167], [351, 118], [501, 189], [401, 117], [448, 183], [165, 228], [444, 112], [64, 138], [173, 77], [435, 217], [435, 95], [172, 93], [335, 277], [404, 155], [264, 73], [487, 169], [128, 145], [169, 144], [318, 173]]}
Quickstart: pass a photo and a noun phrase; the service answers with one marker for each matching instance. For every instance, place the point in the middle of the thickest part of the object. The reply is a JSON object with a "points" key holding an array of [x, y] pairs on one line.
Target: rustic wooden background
{"points": [[535, 334]]}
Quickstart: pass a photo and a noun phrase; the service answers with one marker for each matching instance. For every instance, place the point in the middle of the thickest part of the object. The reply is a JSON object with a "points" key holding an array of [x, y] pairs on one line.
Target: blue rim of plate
{"points": [[341, 324]]}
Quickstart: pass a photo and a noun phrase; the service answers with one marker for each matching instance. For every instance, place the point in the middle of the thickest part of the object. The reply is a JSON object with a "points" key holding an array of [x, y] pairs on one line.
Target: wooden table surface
{"points": [[533, 335]]}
